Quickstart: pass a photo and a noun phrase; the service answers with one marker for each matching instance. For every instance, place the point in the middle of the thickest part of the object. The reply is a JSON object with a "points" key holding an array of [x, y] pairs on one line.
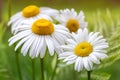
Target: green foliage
{"points": [[100, 76], [3, 69], [114, 49], [2, 31], [104, 22]]}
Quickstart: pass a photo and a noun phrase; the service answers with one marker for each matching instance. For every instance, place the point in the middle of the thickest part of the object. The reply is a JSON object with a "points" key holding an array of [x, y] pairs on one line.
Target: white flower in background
{"points": [[30, 12], [84, 50], [37, 35], [71, 19]]}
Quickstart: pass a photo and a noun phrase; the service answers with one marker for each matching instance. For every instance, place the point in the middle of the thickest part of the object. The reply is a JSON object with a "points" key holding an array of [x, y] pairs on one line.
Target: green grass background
{"points": [[101, 15]]}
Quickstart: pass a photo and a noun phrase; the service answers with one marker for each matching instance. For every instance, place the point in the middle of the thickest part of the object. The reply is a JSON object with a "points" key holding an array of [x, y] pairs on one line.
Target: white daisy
{"points": [[84, 49], [38, 34], [30, 12], [71, 19]]}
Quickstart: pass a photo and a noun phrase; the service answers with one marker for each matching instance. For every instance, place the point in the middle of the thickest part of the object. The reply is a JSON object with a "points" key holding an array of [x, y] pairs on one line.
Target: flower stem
{"points": [[89, 75], [18, 66], [42, 69], [9, 9], [33, 68], [56, 64]]}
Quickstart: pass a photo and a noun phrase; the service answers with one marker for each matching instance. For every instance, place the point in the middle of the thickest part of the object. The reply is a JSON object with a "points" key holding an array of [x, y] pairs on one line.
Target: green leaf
{"points": [[100, 76], [110, 60]]}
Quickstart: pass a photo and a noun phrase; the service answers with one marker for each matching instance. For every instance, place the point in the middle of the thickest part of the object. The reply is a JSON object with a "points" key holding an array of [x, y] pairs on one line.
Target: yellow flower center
{"points": [[72, 25], [42, 27], [83, 49], [30, 11]]}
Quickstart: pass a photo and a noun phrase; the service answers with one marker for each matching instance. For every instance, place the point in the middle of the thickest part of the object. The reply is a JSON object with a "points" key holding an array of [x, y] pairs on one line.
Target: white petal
{"points": [[70, 41], [16, 15], [87, 63], [77, 64], [34, 46], [56, 46], [67, 47], [48, 11], [17, 23], [100, 47], [80, 15], [27, 45], [94, 59], [100, 44], [43, 50], [99, 41], [80, 35], [22, 41], [65, 54], [90, 34], [61, 27], [40, 16], [85, 32], [50, 45], [14, 18], [96, 40], [69, 58], [75, 37], [21, 28], [42, 47], [63, 32], [94, 36], [18, 36], [80, 64], [100, 51], [100, 55], [58, 38], [38, 47], [71, 61], [83, 25]]}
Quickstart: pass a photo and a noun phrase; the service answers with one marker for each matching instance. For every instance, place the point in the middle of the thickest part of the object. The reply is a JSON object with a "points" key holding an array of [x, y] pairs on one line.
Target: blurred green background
{"points": [[101, 15]]}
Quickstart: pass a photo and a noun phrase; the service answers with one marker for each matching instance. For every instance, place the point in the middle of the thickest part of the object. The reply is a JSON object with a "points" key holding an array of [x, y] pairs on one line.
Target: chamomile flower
{"points": [[37, 35], [84, 50], [71, 19], [30, 12]]}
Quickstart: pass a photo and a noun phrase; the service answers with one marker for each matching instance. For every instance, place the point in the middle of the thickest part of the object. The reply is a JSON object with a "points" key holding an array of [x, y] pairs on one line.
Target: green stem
{"points": [[89, 75], [56, 64], [9, 9], [42, 69], [17, 55], [18, 66], [33, 68]]}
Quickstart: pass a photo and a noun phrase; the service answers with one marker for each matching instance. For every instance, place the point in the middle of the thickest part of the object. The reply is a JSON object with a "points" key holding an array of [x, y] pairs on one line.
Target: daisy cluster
{"points": [[65, 32]]}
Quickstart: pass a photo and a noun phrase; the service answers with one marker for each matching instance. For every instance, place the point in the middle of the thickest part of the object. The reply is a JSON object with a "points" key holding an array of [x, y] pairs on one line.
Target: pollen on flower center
{"points": [[42, 27], [72, 25], [83, 49], [30, 11]]}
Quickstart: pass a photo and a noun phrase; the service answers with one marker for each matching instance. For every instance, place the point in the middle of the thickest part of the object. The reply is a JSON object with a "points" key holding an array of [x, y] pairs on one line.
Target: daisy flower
{"points": [[30, 12], [71, 19], [84, 50], [37, 35]]}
